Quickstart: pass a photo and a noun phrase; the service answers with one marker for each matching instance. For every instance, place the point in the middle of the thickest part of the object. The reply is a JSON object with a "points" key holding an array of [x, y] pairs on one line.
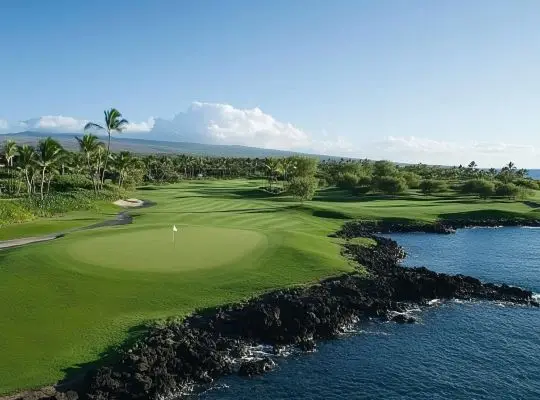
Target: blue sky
{"points": [[433, 81]]}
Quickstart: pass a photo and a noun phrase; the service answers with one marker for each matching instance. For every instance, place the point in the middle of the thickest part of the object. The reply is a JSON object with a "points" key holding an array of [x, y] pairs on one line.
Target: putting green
{"points": [[153, 249]]}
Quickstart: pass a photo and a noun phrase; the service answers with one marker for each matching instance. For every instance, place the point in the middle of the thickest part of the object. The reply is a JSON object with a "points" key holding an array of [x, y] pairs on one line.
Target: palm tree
{"points": [[122, 162], [10, 151], [49, 152], [26, 162], [89, 145], [113, 123]]}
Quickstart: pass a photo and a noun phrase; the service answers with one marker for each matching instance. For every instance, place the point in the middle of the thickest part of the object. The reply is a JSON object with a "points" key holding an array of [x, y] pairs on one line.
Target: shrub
{"points": [[322, 182], [391, 184], [303, 187], [507, 190], [347, 181], [524, 193], [412, 179], [66, 183], [428, 186], [527, 183], [384, 169], [363, 185], [12, 212], [303, 166], [481, 187], [60, 203], [134, 178]]}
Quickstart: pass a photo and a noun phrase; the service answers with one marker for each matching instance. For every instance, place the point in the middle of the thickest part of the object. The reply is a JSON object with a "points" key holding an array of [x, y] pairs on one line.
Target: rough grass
{"points": [[63, 303]]}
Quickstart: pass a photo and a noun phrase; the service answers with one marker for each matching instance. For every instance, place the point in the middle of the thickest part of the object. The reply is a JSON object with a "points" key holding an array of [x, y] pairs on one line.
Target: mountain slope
{"points": [[144, 146]]}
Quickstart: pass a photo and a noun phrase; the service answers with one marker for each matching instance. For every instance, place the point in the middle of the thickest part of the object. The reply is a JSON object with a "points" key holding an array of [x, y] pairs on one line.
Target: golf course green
{"points": [[65, 302]]}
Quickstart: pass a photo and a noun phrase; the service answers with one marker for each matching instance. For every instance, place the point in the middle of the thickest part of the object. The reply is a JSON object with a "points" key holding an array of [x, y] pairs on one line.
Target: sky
{"points": [[444, 82]]}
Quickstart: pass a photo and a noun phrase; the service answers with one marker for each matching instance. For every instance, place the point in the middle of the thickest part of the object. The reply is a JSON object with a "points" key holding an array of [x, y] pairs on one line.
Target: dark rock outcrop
{"points": [[256, 367], [366, 228], [403, 319]]}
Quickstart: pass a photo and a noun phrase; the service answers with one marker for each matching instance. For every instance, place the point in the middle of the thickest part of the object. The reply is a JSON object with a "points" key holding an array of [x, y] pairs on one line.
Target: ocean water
{"points": [[534, 173], [459, 350]]}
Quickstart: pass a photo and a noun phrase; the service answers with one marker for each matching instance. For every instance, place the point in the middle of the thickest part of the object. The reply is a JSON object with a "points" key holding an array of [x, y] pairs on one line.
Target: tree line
{"points": [[33, 170]]}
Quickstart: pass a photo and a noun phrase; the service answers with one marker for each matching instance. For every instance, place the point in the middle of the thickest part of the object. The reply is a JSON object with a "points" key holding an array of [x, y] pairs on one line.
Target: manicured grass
{"points": [[63, 303], [153, 250]]}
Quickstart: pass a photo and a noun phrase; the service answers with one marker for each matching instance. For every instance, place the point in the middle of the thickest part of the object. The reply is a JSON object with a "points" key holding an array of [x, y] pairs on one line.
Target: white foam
{"points": [[536, 296]]}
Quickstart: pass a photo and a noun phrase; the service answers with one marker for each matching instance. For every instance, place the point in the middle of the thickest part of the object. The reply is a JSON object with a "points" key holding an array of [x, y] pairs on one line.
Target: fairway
{"points": [[194, 247], [63, 303]]}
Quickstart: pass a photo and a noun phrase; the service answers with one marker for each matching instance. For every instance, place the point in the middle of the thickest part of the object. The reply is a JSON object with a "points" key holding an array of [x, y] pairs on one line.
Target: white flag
{"points": [[174, 228]]}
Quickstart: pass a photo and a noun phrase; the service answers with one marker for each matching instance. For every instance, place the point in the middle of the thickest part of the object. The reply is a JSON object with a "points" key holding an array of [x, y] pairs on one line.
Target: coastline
{"points": [[210, 343]]}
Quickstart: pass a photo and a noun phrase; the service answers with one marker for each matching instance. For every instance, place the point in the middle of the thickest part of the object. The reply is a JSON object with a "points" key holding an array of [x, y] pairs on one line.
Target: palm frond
{"points": [[92, 125]]}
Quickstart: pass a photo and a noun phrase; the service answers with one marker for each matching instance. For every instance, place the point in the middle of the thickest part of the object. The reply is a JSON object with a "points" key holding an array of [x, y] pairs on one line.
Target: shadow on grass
{"points": [[340, 195], [74, 375], [232, 193], [330, 214], [483, 214], [232, 211], [531, 204]]}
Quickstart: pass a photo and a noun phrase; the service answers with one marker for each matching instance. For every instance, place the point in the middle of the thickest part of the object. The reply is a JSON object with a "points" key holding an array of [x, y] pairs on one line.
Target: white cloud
{"points": [[215, 123], [224, 124], [62, 124], [137, 127], [55, 123], [486, 154]]}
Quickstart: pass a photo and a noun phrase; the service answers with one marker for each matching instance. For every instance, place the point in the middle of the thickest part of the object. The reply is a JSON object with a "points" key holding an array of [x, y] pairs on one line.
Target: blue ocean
{"points": [[534, 173], [458, 350]]}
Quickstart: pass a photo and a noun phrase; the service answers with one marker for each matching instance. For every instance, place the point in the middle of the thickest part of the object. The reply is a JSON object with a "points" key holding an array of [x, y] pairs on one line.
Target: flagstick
{"points": [[174, 243]]}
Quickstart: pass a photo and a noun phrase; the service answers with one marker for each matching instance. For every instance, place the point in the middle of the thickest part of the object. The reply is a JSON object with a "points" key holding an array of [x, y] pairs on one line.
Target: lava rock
{"points": [[257, 367], [403, 319], [306, 345]]}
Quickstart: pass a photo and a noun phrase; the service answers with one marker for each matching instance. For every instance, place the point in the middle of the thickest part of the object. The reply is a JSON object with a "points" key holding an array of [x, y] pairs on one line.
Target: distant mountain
{"points": [[146, 146]]}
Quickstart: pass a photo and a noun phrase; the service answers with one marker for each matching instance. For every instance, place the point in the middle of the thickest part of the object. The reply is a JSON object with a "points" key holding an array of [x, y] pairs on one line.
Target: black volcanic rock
{"points": [[257, 367]]}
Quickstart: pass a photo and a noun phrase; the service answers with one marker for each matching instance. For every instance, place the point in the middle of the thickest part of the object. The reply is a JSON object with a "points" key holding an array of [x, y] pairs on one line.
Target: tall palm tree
{"points": [[49, 152], [27, 162], [9, 151], [113, 123], [89, 145]]}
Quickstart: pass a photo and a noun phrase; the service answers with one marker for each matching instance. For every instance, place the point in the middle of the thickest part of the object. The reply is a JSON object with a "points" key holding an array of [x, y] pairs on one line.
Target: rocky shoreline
{"points": [[212, 343]]}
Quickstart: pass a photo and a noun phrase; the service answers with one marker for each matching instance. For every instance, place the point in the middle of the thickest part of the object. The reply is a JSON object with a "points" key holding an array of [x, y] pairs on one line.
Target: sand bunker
{"points": [[129, 203]]}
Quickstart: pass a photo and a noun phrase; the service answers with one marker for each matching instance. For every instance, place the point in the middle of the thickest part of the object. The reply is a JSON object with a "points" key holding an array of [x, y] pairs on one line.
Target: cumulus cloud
{"points": [[224, 124], [62, 124], [215, 123], [137, 127], [55, 123], [487, 154]]}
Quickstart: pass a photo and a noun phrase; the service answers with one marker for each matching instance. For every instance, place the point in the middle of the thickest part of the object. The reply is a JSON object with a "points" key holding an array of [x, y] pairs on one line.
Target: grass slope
{"points": [[63, 303]]}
